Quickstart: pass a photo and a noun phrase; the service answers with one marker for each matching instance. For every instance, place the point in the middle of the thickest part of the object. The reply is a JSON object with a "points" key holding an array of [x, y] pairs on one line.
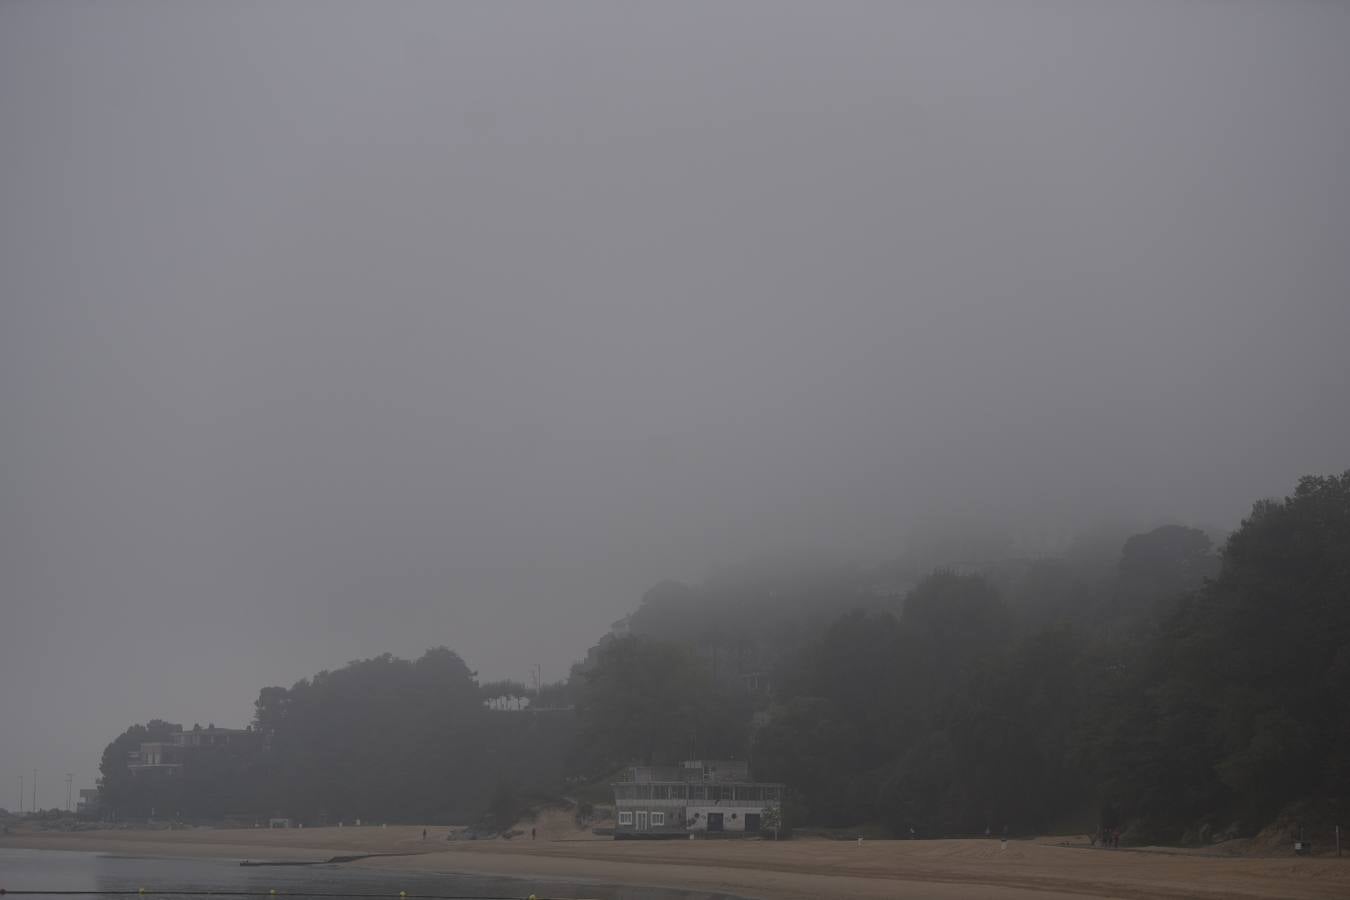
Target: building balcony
{"points": [[701, 795]]}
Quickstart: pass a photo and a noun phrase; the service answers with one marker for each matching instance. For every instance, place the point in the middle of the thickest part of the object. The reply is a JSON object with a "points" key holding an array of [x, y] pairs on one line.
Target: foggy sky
{"points": [[329, 328]]}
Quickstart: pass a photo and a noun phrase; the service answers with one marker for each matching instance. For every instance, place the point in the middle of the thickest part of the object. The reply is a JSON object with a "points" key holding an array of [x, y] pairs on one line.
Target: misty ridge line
{"points": [[1089, 688]]}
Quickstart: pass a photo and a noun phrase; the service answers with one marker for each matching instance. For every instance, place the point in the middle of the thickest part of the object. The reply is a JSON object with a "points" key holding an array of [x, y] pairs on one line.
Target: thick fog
{"points": [[328, 329]]}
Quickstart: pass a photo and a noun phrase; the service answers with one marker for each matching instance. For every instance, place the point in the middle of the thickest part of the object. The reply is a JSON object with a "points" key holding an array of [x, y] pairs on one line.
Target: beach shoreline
{"points": [[788, 870]]}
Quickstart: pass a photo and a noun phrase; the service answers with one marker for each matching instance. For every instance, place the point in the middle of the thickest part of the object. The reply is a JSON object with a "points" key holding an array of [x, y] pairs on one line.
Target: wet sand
{"points": [[788, 870]]}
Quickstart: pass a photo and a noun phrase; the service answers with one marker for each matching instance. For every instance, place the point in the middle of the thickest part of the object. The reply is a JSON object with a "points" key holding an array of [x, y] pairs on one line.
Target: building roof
{"points": [[692, 771]]}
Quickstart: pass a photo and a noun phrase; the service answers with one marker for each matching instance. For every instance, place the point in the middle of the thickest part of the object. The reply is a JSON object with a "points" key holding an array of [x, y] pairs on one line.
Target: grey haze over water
{"points": [[334, 328]]}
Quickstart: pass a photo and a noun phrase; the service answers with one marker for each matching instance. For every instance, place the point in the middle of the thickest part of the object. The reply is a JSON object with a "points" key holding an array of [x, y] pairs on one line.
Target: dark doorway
{"points": [[714, 821], [752, 822]]}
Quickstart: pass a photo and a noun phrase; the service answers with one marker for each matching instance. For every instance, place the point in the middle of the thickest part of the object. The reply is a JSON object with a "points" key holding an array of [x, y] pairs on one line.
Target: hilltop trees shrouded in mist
{"points": [[648, 701], [1237, 702], [941, 718], [1178, 693], [1215, 709]]}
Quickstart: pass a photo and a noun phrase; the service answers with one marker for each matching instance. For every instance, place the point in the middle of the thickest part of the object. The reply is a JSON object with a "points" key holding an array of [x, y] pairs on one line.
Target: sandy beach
{"points": [[789, 870]]}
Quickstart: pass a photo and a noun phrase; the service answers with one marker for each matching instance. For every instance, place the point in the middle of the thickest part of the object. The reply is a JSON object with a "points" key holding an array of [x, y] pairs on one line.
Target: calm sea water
{"points": [[59, 870]]}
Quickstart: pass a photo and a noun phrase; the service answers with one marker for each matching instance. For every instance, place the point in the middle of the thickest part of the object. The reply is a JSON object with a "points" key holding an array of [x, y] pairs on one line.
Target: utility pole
{"points": [[70, 777], [35, 809], [20, 793]]}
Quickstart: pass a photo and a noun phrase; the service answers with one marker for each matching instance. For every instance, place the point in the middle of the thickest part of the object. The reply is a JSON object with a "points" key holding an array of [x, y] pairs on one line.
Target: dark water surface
{"points": [[167, 878]]}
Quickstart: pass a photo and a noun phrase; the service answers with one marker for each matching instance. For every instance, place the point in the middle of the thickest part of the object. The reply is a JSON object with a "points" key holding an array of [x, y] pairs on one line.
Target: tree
{"points": [[1237, 707], [960, 619], [649, 701], [269, 710], [812, 745], [771, 821], [382, 738], [503, 809], [1170, 555], [1158, 566], [121, 793]]}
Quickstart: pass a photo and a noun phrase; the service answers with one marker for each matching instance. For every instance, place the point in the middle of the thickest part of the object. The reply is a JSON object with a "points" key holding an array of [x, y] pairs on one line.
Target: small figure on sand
{"points": [[424, 834]]}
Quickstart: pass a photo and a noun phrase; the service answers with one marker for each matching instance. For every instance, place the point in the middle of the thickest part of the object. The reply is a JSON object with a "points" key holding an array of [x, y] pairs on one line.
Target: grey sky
{"points": [[334, 328]]}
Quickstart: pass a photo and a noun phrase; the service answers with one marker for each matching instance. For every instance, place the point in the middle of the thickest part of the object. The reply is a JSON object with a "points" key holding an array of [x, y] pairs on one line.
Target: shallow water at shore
{"points": [[172, 878]]}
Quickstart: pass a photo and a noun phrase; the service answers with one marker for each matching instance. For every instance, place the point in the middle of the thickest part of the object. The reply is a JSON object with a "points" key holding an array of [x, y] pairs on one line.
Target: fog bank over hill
{"points": [[333, 328]]}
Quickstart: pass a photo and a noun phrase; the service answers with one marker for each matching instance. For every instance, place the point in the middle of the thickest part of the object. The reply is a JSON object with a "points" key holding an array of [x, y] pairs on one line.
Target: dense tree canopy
{"points": [[382, 738], [1239, 703], [1214, 709], [649, 701], [379, 739]]}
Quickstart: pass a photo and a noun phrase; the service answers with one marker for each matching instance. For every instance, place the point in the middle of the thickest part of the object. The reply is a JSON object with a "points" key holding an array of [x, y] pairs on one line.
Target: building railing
{"points": [[699, 795], [667, 803]]}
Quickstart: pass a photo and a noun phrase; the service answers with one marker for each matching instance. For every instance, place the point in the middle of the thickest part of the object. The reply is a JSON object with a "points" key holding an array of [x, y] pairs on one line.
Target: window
{"points": [[625, 818], [658, 818]]}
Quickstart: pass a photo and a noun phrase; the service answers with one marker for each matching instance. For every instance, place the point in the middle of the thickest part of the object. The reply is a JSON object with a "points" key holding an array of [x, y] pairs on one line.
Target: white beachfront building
{"points": [[698, 796]]}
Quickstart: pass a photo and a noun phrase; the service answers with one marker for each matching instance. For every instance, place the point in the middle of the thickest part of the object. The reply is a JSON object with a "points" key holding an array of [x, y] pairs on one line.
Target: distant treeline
{"points": [[1171, 688], [381, 739]]}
